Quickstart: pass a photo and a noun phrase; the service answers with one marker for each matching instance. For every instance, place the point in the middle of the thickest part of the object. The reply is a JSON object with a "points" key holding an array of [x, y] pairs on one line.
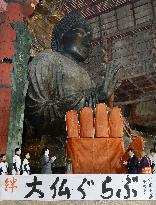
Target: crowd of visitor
{"points": [[145, 165], [23, 168]]}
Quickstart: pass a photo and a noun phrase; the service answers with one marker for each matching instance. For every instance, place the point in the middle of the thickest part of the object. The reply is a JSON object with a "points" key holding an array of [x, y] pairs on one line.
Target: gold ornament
{"points": [[47, 14]]}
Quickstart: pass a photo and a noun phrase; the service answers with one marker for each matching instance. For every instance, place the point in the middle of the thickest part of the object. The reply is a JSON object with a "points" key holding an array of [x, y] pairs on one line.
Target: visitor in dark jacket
{"points": [[46, 163], [145, 165], [132, 163]]}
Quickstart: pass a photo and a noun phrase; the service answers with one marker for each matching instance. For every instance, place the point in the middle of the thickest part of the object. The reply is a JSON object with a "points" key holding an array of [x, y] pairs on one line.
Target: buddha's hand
{"points": [[110, 81]]}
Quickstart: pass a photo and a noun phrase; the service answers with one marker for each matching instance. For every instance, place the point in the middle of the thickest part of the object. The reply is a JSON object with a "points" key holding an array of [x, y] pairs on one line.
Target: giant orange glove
{"points": [[96, 144]]}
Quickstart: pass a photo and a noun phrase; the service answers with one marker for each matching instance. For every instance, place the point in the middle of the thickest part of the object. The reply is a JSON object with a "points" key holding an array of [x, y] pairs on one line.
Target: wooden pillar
{"points": [[14, 12]]}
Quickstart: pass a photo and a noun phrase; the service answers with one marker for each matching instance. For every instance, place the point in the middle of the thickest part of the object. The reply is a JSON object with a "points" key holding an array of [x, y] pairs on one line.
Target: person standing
{"points": [[132, 163], [3, 165], [152, 157], [69, 169], [145, 165], [25, 165], [46, 163], [17, 162]]}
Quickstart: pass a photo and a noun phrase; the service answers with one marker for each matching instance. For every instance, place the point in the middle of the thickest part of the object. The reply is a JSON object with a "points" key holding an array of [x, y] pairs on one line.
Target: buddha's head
{"points": [[72, 35]]}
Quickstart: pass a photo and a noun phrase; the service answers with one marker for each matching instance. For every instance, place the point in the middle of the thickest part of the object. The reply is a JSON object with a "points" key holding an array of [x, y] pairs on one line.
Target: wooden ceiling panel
{"points": [[92, 8]]}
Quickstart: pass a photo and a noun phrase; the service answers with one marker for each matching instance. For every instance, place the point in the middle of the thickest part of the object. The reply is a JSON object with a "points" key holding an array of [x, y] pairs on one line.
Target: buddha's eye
{"points": [[79, 31]]}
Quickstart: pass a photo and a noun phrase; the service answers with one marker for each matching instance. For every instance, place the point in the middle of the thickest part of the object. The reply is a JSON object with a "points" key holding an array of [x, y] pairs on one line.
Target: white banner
{"points": [[78, 187]]}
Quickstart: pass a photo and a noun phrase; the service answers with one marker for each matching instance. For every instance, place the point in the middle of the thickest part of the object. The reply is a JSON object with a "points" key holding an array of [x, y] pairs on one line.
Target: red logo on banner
{"points": [[10, 184]]}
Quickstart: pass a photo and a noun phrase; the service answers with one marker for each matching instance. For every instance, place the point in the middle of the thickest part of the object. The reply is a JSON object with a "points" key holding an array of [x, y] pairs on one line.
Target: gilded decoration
{"points": [[47, 13]]}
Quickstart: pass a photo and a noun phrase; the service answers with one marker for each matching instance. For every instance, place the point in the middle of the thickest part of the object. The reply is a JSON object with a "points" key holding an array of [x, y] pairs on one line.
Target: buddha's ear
{"points": [[59, 42]]}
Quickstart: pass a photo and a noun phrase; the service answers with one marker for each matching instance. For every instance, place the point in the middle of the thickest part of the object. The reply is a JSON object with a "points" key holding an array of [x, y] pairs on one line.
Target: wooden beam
{"points": [[150, 93], [137, 76], [153, 12], [116, 19], [90, 4], [150, 80], [143, 99], [100, 26], [134, 20], [130, 30], [141, 126], [111, 9], [125, 32], [135, 85]]}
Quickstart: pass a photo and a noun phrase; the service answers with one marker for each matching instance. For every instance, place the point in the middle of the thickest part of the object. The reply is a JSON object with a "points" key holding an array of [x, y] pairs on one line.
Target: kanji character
{"points": [[66, 191], [53, 187], [33, 185], [60, 191], [10, 184]]}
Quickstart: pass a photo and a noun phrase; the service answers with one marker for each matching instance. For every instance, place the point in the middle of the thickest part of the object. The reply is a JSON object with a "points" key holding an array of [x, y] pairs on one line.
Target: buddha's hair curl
{"points": [[68, 22]]}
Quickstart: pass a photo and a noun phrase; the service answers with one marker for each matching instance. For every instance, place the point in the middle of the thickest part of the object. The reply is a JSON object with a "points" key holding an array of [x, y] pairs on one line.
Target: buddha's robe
{"points": [[57, 84]]}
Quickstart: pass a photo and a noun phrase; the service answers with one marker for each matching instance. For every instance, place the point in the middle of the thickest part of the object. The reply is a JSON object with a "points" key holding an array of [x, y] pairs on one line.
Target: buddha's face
{"points": [[76, 42]]}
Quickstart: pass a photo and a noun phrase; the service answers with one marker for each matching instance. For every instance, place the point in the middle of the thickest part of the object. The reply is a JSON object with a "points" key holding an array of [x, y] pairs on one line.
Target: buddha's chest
{"points": [[75, 78]]}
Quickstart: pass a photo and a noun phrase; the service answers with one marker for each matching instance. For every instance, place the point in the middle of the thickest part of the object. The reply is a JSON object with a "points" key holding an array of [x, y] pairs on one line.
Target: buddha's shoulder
{"points": [[47, 56]]}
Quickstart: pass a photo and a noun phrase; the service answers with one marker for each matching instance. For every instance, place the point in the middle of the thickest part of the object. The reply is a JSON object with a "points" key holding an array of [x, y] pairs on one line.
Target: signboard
{"points": [[78, 187]]}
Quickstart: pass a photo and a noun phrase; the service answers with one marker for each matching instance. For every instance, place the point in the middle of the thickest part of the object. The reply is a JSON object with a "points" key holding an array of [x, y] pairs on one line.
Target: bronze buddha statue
{"points": [[57, 82]]}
